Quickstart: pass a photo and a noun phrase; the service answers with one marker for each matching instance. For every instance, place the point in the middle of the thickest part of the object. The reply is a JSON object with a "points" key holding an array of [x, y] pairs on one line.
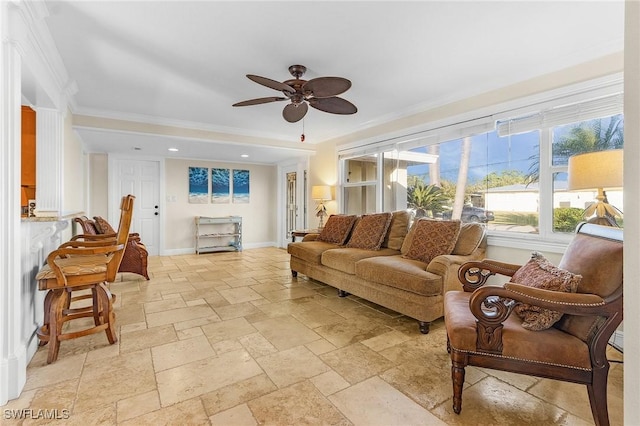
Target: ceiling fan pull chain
{"points": [[302, 135]]}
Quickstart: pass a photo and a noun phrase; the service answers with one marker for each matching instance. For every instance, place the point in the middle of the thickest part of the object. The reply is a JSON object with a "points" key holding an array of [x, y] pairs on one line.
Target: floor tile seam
{"points": [[565, 412]]}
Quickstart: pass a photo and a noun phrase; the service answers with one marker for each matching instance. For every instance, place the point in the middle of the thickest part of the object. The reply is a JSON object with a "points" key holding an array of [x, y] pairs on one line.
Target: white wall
{"points": [[632, 206], [98, 185], [258, 216], [73, 177]]}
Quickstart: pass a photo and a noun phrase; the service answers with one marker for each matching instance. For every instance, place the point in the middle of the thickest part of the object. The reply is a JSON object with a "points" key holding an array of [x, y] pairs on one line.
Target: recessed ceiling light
{"points": [[245, 156], [173, 149]]}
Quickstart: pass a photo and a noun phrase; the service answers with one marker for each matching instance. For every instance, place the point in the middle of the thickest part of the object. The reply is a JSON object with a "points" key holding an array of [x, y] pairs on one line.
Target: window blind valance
{"points": [[561, 115]]}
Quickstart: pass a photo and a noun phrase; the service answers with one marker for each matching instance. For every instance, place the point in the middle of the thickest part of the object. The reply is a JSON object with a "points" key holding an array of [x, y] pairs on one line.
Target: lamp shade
{"points": [[594, 170], [321, 192]]}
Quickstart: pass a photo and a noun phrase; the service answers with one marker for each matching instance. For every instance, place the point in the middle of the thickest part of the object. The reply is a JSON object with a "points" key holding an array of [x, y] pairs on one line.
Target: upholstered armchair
{"points": [[135, 255], [526, 327]]}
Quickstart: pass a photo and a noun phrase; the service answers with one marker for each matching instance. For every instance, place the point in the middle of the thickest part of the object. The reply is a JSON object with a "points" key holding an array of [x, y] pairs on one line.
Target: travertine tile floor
{"points": [[233, 339]]}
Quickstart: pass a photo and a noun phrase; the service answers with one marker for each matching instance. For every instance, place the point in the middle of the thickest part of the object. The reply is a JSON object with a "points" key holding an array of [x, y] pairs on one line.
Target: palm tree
{"points": [[425, 198], [584, 137], [463, 172]]}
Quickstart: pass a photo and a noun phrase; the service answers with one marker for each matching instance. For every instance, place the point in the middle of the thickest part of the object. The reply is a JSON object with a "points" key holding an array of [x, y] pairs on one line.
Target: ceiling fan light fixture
{"points": [[319, 92]]}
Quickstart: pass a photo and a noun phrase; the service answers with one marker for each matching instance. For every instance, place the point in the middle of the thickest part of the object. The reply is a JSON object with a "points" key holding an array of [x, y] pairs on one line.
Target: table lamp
{"points": [[597, 170], [321, 193]]}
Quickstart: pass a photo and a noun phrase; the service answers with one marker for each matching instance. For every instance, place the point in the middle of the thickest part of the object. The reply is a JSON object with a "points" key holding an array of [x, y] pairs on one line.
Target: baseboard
{"points": [[192, 250], [14, 371]]}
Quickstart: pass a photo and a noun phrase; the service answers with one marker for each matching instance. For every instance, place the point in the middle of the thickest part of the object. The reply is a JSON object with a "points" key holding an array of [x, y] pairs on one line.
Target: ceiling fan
{"points": [[319, 92]]}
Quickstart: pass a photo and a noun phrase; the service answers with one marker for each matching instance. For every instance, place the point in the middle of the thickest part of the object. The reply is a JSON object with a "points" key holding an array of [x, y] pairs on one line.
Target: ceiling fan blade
{"points": [[259, 101], [272, 84], [324, 87], [295, 112], [333, 105]]}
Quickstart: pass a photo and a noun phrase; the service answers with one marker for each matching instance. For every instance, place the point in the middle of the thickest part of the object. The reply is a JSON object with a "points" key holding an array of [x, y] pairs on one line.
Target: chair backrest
{"points": [[88, 226], [596, 254], [122, 236]]}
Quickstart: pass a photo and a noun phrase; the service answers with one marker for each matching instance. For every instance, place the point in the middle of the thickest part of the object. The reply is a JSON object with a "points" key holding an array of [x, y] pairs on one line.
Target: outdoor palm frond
{"points": [[583, 137], [426, 197]]}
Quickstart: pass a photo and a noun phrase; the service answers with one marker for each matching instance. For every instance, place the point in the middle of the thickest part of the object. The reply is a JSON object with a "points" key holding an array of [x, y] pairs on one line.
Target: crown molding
{"points": [[29, 32]]}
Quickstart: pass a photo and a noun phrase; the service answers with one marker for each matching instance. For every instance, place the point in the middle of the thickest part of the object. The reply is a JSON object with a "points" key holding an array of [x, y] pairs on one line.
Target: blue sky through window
{"points": [[489, 153]]}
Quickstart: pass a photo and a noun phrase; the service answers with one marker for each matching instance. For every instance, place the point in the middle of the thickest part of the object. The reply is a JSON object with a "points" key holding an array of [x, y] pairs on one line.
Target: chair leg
{"points": [[97, 308], [58, 302], [457, 378], [598, 396], [107, 314], [45, 330]]}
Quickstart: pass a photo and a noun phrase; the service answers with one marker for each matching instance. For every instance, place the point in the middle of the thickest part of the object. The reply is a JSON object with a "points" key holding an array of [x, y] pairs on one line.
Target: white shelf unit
{"points": [[218, 234]]}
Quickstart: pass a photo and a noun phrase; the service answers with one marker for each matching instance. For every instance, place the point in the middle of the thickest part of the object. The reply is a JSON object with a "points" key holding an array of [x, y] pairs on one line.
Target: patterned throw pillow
{"points": [[337, 229], [370, 231], [103, 226], [541, 273], [433, 238]]}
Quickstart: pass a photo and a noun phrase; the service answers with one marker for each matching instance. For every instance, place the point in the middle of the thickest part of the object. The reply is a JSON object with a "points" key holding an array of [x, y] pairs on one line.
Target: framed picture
{"points": [[241, 186], [220, 186], [199, 185]]}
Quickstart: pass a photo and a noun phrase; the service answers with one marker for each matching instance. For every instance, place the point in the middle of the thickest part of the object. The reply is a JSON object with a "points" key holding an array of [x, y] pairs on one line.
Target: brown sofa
{"points": [[387, 276]]}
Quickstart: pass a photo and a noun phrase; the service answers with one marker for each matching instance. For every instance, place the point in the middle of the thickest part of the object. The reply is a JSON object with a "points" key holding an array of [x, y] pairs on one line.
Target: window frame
{"points": [[485, 120]]}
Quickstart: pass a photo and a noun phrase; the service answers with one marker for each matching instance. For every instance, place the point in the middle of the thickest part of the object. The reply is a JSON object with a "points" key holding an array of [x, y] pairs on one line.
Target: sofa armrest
{"points": [[310, 237], [447, 267]]}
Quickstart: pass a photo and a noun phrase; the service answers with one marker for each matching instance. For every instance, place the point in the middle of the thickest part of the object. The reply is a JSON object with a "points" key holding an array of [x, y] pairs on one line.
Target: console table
{"points": [[302, 233]]}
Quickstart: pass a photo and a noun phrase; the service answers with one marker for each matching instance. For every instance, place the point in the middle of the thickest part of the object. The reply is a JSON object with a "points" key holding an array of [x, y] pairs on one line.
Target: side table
{"points": [[302, 233]]}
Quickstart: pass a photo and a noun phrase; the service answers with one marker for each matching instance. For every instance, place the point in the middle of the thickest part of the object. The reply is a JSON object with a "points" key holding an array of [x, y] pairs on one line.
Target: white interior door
{"points": [[142, 179]]}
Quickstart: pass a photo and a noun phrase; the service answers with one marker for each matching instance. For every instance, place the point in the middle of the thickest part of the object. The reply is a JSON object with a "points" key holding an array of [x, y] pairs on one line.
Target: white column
{"points": [[50, 159], [631, 208], [12, 352]]}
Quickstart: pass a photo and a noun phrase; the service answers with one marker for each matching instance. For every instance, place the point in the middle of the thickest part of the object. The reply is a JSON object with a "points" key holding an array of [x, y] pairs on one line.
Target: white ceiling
{"points": [[183, 63]]}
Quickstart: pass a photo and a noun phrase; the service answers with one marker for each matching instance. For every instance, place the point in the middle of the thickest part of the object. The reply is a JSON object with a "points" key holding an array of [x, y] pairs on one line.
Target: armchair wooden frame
{"points": [[82, 265], [491, 307]]}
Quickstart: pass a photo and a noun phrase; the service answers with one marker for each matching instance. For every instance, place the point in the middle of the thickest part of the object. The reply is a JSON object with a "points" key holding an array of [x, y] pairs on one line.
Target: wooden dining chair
{"points": [[82, 264]]}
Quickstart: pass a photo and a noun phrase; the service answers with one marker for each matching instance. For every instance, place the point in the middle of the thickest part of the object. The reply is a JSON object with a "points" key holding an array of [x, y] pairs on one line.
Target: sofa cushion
{"points": [[397, 229], [433, 238], [406, 243], [344, 259], [309, 251], [400, 272], [541, 273], [471, 235], [369, 231], [337, 229]]}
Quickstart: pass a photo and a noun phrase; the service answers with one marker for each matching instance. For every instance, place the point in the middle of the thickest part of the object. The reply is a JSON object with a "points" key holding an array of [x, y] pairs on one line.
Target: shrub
{"points": [[565, 219]]}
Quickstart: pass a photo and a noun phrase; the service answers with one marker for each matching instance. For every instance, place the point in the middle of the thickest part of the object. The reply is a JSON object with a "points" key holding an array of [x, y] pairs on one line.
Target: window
{"points": [[508, 170], [360, 184], [598, 134]]}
